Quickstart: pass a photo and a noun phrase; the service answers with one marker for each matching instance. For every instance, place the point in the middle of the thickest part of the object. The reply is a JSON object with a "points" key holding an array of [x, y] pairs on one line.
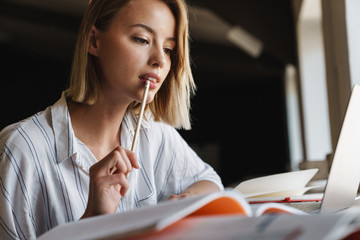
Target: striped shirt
{"points": [[44, 170]]}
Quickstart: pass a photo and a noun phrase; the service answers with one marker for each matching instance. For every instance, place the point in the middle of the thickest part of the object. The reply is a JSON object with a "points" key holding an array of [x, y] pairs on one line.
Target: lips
{"points": [[152, 77]]}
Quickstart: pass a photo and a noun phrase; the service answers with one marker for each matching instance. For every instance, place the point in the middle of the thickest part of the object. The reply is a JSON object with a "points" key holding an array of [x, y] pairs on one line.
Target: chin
{"points": [[149, 100]]}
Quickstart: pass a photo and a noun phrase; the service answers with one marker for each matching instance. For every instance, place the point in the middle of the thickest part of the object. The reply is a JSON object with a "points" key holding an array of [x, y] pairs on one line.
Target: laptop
{"points": [[344, 176]]}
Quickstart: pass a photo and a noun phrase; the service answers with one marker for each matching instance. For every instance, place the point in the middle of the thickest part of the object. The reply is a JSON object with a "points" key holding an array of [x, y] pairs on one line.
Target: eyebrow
{"points": [[150, 30]]}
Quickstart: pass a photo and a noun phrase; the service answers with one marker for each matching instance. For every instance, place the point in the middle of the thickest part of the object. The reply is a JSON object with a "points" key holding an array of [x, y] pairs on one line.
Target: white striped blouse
{"points": [[44, 169]]}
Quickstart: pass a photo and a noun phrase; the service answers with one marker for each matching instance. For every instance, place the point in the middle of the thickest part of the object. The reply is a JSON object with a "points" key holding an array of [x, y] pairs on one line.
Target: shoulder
{"points": [[164, 130], [149, 126], [30, 132]]}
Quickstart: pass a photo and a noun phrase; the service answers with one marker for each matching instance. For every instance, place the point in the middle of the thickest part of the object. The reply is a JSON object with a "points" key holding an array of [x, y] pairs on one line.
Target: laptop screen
{"points": [[344, 176]]}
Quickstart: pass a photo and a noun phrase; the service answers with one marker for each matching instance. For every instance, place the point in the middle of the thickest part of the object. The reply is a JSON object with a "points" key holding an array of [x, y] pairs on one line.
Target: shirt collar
{"points": [[128, 127], [65, 141]]}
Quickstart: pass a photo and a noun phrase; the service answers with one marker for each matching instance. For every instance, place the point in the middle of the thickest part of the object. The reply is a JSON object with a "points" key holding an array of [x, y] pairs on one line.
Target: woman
{"points": [[72, 161]]}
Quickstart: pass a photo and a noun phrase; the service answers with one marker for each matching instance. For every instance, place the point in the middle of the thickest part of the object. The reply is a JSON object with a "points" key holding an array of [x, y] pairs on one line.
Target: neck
{"points": [[97, 126]]}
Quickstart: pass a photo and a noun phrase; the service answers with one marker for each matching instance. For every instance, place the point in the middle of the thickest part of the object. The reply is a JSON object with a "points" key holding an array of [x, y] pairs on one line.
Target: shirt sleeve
{"points": [[15, 215], [21, 214], [178, 166]]}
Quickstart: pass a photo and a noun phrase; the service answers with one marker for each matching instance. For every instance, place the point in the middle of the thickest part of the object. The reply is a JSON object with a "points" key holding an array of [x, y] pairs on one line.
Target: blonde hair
{"points": [[172, 102]]}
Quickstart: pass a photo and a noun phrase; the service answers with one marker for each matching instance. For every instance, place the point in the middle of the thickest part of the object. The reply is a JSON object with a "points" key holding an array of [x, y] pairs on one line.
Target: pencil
{"points": [[138, 124]]}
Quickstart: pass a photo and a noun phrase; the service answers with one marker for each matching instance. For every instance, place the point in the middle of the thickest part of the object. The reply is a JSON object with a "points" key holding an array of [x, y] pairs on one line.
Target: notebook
{"points": [[344, 176]]}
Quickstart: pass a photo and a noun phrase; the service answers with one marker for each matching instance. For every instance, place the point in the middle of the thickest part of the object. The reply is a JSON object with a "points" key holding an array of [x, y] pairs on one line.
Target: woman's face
{"points": [[136, 47]]}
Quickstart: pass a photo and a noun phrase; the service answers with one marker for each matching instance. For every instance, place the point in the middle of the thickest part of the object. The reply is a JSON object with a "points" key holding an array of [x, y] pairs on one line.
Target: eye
{"points": [[141, 40], [168, 51]]}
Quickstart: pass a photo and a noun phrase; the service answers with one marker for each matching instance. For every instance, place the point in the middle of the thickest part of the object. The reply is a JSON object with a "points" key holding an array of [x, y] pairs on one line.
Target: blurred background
{"points": [[249, 117]]}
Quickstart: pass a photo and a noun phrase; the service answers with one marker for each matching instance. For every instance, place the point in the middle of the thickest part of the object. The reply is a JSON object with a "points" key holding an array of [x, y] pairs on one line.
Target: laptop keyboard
{"points": [[308, 207]]}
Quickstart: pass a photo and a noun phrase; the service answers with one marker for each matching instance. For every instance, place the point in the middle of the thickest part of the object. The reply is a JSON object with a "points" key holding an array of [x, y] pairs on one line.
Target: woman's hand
{"points": [[198, 188], [181, 195], [108, 181]]}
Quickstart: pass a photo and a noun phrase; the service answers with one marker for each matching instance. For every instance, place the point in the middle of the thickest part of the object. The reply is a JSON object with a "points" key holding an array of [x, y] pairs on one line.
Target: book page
{"points": [[123, 224], [280, 193], [228, 204], [312, 197], [151, 218], [293, 183], [267, 227]]}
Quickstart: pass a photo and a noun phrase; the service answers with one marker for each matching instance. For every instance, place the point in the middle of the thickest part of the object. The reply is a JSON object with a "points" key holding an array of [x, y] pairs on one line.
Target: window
{"points": [[313, 89], [329, 60]]}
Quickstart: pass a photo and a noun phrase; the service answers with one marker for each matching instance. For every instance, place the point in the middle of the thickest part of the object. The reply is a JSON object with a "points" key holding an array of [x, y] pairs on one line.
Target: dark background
{"points": [[239, 114]]}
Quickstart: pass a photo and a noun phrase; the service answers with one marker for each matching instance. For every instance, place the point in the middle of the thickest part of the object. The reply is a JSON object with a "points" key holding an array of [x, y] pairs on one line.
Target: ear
{"points": [[93, 41]]}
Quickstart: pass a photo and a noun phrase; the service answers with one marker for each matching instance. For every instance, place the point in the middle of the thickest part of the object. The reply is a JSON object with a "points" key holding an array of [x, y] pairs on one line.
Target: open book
{"points": [[279, 186], [156, 218]]}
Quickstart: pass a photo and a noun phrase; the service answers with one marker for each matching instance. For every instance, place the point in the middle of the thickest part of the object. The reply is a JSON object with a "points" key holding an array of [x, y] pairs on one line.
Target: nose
{"points": [[157, 57]]}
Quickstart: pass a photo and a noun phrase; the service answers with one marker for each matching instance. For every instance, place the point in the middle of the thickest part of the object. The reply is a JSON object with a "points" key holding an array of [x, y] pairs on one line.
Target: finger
{"points": [[108, 165], [113, 170], [125, 186], [172, 197], [126, 160], [114, 179], [117, 161], [133, 159], [130, 156]]}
